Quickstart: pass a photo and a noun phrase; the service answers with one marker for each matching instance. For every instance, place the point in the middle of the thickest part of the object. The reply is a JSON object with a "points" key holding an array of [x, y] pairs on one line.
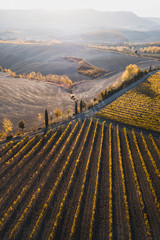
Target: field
{"points": [[50, 59], [139, 107], [81, 181], [23, 99]]}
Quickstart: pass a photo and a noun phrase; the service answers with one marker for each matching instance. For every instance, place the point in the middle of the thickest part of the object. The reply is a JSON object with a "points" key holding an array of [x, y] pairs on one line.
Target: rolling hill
{"points": [[70, 25]]}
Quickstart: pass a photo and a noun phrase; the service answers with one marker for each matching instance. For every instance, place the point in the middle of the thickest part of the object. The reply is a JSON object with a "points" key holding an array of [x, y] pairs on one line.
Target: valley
{"points": [[79, 121]]}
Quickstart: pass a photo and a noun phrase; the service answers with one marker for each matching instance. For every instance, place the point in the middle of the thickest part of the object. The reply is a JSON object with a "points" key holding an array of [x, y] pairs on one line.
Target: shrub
{"points": [[131, 71], [7, 125], [9, 137]]}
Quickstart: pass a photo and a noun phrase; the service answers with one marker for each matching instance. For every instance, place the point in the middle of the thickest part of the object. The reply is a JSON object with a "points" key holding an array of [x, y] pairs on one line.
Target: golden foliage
{"points": [[40, 117], [7, 125], [58, 79], [153, 49], [58, 113], [131, 71], [86, 68]]}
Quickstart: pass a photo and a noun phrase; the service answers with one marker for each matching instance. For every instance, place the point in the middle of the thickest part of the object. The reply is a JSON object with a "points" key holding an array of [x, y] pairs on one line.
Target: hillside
{"points": [[23, 99], [85, 19], [72, 25], [104, 36], [138, 107], [81, 181], [141, 36], [50, 59], [154, 19]]}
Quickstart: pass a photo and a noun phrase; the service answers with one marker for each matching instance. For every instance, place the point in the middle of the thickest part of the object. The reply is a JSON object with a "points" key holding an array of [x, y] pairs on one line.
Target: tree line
{"points": [[58, 79]]}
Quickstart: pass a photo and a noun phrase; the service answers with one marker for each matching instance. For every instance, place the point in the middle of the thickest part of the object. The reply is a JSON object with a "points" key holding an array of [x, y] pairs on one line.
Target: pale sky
{"points": [[140, 7]]}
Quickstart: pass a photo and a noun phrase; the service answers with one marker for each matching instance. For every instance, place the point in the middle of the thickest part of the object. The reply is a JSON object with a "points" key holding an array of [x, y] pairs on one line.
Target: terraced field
{"points": [[81, 181], [139, 107]]}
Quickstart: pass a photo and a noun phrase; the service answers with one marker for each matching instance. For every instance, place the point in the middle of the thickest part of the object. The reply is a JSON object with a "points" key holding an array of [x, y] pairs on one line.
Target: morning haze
{"points": [[79, 120]]}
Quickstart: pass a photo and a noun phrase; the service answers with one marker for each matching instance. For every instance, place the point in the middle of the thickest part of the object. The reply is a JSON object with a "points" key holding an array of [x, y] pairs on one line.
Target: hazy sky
{"points": [[141, 7]]}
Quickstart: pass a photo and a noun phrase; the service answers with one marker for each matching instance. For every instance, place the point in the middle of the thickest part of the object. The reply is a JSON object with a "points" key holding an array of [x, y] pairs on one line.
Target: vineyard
{"points": [[86, 180], [139, 107]]}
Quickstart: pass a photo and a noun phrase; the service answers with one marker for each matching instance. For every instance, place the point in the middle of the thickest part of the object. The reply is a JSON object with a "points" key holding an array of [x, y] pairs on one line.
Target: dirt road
{"points": [[95, 109]]}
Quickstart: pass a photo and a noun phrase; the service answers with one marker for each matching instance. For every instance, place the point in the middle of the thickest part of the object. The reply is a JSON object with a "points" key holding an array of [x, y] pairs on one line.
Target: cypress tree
{"points": [[76, 108], [46, 118], [81, 106], [150, 68]]}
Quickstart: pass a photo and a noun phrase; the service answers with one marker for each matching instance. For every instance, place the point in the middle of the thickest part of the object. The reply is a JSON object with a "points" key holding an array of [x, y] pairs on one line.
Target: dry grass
{"points": [[36, 42]]}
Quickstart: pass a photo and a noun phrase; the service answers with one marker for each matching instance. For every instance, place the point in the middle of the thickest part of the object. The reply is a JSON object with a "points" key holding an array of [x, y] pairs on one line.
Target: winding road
{"points": [[95, 109]]}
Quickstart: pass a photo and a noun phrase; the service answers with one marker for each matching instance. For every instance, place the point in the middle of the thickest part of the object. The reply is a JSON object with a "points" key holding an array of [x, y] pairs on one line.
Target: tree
{"points": [[58, 113], [21, 124], [46, 118], [81, 106], [150, 68], [76, 107], [131, 71], [105, 93], [7, 125]]}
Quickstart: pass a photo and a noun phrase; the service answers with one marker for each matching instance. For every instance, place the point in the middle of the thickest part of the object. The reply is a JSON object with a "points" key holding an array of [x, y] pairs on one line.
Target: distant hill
{"points": [[79, 20], [109, 36], [153, 19], [72, 25], [142, 36]]}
